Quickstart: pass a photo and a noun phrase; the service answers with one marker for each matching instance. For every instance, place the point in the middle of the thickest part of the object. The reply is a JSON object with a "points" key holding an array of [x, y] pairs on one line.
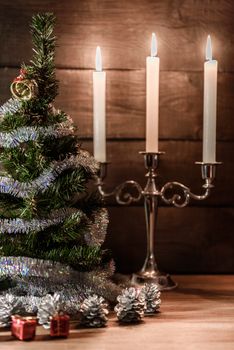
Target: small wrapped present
{"points": [[23, 328], [59, 325]]}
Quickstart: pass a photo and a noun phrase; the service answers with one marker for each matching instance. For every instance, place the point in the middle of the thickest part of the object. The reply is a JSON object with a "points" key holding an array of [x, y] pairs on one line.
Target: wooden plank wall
{"points": [[195, 239]]}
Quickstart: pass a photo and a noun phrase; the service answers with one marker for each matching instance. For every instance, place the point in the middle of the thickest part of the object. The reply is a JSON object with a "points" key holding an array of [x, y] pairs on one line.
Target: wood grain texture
{"points": [[123, 30], [181, 105], [198, 315], [198, 238], [189, 240]]}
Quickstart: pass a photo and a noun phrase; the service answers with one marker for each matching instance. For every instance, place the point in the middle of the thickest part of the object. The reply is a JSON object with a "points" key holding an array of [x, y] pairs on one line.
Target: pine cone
{"points": [[9, 305], [94, 312], [131, 305], [151, 293], [50, 305]]}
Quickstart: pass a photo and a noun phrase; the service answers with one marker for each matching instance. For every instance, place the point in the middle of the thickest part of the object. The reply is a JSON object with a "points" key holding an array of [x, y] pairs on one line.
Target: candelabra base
{"points": [[163, 280]]}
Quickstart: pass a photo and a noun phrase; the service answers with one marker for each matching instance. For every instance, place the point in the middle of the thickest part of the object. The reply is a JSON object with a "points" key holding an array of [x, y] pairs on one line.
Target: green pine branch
{"points": [[42, 246], [24, 163], [42, 68], [13, 121], [60, 148], [64, 192]]}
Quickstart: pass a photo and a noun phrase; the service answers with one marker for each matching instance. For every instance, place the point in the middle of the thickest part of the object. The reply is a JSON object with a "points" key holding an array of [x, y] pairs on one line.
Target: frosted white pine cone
{"points": [[9, 305], [131, 305], [50, 305], [94, 311], [151, 293]]}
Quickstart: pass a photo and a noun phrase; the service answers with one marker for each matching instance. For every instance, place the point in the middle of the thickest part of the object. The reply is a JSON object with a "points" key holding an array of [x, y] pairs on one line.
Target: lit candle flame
{"points": [[98, 59], [154, 45], [208, 49]]}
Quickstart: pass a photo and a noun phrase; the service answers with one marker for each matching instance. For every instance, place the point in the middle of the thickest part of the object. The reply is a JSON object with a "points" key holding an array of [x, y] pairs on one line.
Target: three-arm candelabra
{"points": [[152, 193]]}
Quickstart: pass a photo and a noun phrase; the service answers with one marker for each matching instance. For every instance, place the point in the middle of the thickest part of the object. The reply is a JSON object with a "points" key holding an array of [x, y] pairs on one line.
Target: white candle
{"points": [[209, 105], [99, 110], [152, 98]]}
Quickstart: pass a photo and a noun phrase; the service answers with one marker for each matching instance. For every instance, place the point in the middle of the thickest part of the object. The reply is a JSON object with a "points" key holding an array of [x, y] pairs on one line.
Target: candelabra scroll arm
{"points": [[208, 174], [128, 198], [122, 193], [181, 201]]}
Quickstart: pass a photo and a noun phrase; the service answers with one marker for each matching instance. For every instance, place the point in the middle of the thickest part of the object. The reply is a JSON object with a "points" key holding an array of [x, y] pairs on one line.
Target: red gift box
{"points": [[59, 325], [23, 328]]}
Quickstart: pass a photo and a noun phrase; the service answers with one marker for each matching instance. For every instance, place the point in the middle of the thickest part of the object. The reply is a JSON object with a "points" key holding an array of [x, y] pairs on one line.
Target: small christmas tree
{"points": [[50, 222]]}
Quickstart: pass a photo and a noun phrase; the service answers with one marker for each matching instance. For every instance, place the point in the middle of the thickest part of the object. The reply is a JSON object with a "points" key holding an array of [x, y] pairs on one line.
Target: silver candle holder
{"points": [[152, 193]]}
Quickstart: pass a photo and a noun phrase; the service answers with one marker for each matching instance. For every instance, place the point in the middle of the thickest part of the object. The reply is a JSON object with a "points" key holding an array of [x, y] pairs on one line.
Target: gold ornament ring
{"points": [[24, 90]]}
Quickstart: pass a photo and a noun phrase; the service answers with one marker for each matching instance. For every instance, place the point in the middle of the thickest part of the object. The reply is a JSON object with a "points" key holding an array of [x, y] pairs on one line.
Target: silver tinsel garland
{"points": [[25, 226], [35, 279], [95, 236], [96, 226], [20, 266], [11, 106], [32, 133], [43, 182], [24, 267]]}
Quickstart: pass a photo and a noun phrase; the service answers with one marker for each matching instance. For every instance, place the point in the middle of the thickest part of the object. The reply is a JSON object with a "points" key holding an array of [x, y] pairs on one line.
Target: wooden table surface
{"points": [[198, 315]]}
